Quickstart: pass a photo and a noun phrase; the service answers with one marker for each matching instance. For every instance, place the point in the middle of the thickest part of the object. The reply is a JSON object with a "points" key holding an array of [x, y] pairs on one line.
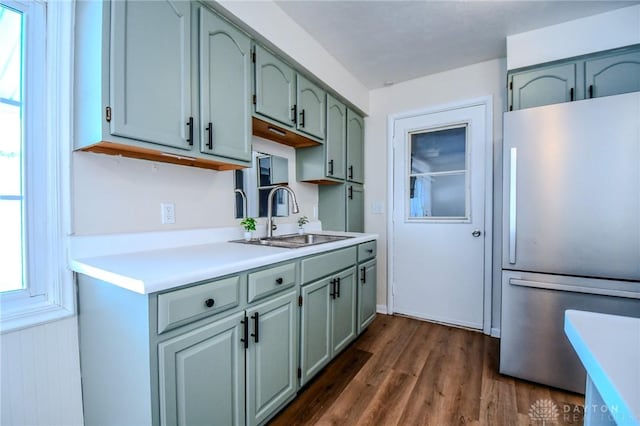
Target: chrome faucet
{"points": [[244, 202], [270, 225]]}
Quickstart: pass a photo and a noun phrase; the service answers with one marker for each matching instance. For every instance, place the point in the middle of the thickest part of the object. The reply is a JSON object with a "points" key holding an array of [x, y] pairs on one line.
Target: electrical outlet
{"points": [[168, 213]]}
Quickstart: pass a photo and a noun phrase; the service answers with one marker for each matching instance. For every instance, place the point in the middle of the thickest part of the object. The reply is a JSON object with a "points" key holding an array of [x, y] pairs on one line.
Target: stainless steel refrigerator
{"points": [[571, 229]]}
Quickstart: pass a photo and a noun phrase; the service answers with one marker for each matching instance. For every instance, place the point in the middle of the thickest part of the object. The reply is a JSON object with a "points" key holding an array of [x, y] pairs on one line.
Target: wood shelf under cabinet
{"points": [[112, 148], [278, 134]]}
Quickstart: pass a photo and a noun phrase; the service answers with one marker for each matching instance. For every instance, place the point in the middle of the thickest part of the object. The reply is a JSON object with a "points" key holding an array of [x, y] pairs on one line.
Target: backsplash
{"points": [[119, 195]]}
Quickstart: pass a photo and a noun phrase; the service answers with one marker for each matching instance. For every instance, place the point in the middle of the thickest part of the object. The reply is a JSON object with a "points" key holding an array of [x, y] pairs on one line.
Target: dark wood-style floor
{"points": [[407, 372]]}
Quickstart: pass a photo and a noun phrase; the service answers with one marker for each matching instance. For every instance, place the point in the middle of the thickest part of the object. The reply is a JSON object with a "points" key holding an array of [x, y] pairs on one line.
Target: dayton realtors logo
{"points": [[544, 412]]}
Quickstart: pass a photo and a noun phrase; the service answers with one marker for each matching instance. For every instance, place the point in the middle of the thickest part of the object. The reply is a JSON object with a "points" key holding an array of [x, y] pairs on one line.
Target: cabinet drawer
{"points": [[325, 264], [270, 281], [367, 251], [178, 306]]}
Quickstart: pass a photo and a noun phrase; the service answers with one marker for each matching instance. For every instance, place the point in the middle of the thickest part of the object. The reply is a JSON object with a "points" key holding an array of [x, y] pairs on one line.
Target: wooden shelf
{"points": [[278, 134], [112, 148]]}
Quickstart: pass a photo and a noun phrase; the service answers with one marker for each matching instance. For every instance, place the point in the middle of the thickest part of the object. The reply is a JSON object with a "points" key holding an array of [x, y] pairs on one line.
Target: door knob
{"points": [[476, 233]]}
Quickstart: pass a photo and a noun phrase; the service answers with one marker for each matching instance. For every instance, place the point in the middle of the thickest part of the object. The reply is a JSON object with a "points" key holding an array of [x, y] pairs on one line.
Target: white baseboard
{"points": [[495, 332], [381, 309]]}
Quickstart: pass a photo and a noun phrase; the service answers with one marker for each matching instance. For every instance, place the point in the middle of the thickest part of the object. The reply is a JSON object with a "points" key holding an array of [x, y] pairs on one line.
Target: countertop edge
{"points": [[603, 382], [89, 266]]}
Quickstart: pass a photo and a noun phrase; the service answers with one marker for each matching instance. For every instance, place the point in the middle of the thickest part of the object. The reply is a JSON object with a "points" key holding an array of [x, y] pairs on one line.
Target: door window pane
{"points": [[439, 174], [11, 113]]}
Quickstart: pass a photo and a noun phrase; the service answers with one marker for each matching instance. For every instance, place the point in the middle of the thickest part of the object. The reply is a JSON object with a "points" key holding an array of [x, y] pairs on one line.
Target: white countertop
{"points": [[145, 268], [609, 348]]}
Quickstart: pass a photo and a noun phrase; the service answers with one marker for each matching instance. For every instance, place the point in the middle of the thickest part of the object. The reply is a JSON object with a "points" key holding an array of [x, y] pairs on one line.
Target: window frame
{"points": [[467, 174], [47, 98]]}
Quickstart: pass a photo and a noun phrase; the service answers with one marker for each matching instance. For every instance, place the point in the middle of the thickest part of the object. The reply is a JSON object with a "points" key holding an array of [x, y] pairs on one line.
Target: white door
{"points": [[439, 216]]}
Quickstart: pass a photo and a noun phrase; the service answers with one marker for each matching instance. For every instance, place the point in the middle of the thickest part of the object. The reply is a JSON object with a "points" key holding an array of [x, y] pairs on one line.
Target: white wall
{"points": [[486, 78], [40, 376], [116, 194], [609, 30]]}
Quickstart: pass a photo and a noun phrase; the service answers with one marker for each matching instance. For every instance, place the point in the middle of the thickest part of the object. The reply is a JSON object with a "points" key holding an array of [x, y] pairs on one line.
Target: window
{"points": [[11, 199], [438, 180], [35, 138]]}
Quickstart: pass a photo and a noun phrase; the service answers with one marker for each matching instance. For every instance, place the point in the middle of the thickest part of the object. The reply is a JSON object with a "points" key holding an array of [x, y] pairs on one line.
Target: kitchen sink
{"points": [[293, 240]]}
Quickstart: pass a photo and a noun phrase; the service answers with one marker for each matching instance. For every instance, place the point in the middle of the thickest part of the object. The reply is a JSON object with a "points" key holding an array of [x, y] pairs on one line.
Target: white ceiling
{"points": [[392, 41]]}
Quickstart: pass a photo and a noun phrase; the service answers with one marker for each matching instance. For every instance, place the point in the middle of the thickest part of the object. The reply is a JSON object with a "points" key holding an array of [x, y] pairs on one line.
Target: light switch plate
{"points": [[377, 207]]}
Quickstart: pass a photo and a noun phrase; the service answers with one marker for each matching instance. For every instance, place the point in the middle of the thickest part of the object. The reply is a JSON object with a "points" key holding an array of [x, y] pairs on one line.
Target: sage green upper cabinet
{"points": [[607, 73], [311, 100], [336, 142], [612, 74], [355, 147], [150, 77], [326, 163], [355, 208], [195, 389], [225, 88], [367, 283], [544, 86], [272, 356], [275, 88]]}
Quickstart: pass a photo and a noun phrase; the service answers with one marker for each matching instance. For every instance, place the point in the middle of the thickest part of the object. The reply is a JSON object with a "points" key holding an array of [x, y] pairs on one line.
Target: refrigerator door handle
{"points": [[512, 205], [574, 288]]}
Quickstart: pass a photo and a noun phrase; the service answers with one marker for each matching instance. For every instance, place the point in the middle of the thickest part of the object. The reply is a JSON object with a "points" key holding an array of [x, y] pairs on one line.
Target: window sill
{"points": [[19, 315]]}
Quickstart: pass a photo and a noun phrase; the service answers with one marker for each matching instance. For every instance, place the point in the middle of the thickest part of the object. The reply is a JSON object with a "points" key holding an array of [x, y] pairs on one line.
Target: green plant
{"points": [[302, 220], [249, 224]]}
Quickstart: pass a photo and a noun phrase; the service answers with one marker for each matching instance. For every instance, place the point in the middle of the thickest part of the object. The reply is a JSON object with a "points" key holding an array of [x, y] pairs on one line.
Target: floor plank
{"points": [[403, 371]]}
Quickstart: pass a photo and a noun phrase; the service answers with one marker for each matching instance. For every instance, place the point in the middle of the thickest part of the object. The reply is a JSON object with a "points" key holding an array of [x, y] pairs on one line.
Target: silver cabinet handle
{"points": [[512, 204], [476, 233]]}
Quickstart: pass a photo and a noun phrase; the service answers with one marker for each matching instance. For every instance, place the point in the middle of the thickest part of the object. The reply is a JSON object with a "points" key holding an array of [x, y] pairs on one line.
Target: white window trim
{"points": [[50, 294]]}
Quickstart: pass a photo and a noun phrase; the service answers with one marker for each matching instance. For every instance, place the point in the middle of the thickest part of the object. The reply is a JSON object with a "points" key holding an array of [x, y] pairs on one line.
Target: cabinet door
{"points": [[311, 102], [336, 142], [613, 75], [272, 357], [201, 375], [225, 87], [315, 332], [355, 147], [275, 88], [343, 311], [332, 208], [150, 87], [355, 208], [549, 85], [366, 294]]}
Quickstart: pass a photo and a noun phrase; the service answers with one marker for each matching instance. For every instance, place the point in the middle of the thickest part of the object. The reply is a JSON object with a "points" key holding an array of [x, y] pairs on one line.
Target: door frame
{"points": [[487, 102]]}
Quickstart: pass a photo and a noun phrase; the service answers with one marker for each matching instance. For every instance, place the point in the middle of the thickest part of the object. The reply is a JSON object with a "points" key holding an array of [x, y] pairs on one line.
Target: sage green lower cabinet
{"points": [[202, 375], [315, 329], [272, 356], [227, 351], [367, 283], [328, 320], [343, 314]]}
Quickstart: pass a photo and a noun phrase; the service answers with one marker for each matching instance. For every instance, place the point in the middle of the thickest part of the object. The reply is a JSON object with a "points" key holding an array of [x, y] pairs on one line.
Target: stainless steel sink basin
{"points": [[294, 240]]}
